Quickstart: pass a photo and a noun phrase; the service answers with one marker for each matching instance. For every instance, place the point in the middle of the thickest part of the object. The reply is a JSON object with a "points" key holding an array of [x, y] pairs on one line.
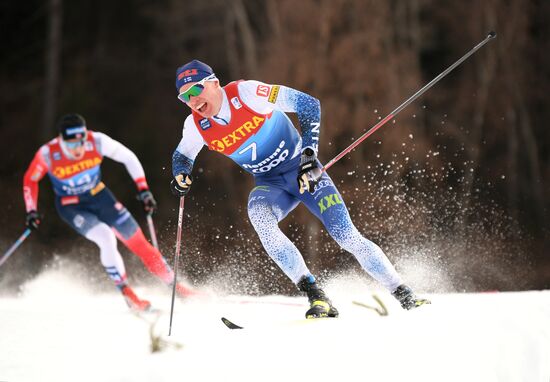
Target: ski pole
{"points": [[152, 232], [178, 245], [15, 245], [490, 36]]}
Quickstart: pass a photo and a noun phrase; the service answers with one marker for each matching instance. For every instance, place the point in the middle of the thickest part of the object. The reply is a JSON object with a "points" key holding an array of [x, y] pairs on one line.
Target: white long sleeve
{"points": [[191, 142], [116, 151]]}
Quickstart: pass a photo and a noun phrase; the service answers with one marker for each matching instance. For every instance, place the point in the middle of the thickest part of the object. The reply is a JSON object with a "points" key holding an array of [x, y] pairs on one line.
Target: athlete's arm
{"points": [[115, 150], [189, 147], [264, 98], [35, 172]]}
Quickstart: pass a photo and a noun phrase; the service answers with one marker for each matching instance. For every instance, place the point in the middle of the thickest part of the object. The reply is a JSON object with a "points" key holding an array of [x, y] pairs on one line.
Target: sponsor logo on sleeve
{"points": [[29, 200], [36, 175], [205, 124], [273, 94], [262, 90], [236, 103]]}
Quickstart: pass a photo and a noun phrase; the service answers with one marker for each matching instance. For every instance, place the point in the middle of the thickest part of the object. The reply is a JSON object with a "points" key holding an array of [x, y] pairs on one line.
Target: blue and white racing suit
{"points": [[253, 130]]}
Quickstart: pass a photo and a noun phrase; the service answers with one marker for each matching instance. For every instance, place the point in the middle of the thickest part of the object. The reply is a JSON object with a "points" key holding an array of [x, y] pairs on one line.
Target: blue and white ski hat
{"points": [[193, 71], [72, 126]]}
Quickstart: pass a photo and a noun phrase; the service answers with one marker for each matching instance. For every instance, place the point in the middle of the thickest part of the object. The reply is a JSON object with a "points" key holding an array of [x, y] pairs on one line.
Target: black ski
{"points": [[302, 321], [230, 325]]}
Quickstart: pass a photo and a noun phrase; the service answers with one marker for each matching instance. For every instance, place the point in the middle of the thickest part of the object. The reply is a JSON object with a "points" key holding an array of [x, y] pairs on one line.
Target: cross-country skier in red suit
{"points": [[72, 160]]}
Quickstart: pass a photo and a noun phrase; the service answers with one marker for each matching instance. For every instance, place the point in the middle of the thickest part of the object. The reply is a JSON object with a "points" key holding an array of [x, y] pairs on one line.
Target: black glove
{"points": [[33, 219], [181, 185], [309, 172], [149, 203]]}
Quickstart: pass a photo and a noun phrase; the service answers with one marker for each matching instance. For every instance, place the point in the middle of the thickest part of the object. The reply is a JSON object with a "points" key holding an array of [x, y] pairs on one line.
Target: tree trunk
{"points": [[231, 46], [249, 44], [512, 173], [531, 150], [486, 73], [274, 19], [53, 51]]}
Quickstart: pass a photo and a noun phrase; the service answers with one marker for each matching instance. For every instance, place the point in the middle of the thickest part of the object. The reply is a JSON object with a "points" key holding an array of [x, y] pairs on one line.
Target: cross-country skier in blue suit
{"points": [[246, 121]]}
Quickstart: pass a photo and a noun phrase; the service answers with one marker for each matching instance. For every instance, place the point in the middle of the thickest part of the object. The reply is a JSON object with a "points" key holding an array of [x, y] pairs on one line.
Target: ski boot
{"points": [[407, 298], [133, 301], [320, 305]]}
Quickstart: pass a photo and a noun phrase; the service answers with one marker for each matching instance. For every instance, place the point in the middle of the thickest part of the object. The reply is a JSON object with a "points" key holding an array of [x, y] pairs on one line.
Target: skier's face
{"points": [[75, 148], [208, 102]]}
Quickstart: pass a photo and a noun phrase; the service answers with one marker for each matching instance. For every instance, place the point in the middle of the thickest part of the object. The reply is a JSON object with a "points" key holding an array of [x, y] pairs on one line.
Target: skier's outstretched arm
{"points": [[35, 172], [115, 150], [184, 156]]}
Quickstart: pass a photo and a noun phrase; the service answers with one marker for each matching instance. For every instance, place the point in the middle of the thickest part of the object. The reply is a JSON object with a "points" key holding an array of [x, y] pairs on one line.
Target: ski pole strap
{"points": [[15, 245]]}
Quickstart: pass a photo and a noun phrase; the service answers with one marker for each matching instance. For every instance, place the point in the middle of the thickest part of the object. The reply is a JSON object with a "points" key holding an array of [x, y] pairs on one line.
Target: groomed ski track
{"points": [[58, 331]]}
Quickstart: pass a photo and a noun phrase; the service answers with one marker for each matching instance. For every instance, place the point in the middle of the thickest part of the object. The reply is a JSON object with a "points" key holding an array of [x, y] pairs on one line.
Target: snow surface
{"points": [[58, 330]]}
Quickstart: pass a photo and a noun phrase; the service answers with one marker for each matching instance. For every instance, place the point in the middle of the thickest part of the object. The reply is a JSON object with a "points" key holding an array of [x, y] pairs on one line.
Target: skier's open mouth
{"points": [[202, 107]]}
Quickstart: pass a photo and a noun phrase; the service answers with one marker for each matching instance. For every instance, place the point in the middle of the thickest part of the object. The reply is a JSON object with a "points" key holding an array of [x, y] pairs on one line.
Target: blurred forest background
{"points": [[456, 189]]}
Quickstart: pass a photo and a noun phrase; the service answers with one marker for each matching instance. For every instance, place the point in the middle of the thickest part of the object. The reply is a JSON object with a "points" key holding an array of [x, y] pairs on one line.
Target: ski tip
{"points": [[492, 34], [229, 324]]}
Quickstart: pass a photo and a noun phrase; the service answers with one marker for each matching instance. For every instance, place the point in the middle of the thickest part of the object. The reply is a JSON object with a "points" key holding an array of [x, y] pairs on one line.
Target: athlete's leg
{"points": [[105, 239], [103, 236], [267, 206], [86, 223], [128, 231], [149, 255], [84, 220], [115, 215], [327, 204]]}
